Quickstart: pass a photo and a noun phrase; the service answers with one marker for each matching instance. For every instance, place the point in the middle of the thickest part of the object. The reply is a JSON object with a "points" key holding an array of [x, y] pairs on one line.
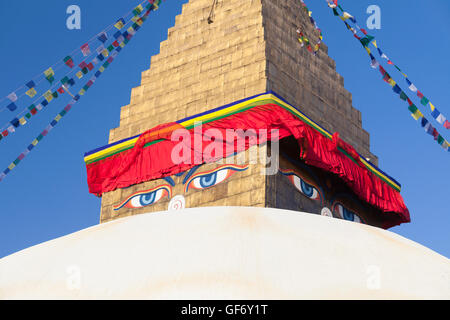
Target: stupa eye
{"points": [[301, 185], [211, 178], [145, 198], [346, 214]]}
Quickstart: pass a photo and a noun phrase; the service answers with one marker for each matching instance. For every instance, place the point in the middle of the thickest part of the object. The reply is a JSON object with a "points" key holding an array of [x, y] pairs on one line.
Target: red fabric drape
{"points": [[153, 162]]}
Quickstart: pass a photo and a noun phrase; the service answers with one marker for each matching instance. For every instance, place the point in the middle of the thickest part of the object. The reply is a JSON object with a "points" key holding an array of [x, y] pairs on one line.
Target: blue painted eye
{"points": [[208, 180], [147, 199], [211, 178], [301, 185], [307, 189], [346, 214]]}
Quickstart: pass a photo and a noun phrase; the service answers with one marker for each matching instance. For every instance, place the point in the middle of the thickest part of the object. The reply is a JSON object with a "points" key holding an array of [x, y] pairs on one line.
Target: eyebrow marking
{"points": [[189, 174], [170, 181]]}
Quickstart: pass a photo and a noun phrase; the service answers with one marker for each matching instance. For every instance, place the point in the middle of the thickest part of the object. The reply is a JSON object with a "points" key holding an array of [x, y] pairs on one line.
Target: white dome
{"points": [[227, 253]]}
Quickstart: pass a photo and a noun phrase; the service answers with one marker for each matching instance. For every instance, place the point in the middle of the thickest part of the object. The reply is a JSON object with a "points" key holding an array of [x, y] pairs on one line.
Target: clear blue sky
{"points": [[46, 196]]}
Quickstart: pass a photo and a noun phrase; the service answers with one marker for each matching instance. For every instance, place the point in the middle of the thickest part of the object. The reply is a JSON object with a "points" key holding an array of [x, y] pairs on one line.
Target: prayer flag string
{"points": [[365, 40], [301, 36], [9, 102], [60, 87], [127, 35]]}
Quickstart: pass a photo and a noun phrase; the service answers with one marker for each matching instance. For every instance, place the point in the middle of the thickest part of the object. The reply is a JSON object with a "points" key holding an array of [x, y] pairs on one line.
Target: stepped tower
{"points": [[250, 47]]}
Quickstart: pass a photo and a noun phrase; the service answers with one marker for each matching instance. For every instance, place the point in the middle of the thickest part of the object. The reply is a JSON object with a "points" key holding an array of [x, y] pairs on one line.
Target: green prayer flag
{"points": [[403, 96], [110, 48], [63, 113], [28, 115], [31, 107], [424, 101], [40, 137], [440, 140], [366, 40], [412, 108], [55, 94]]}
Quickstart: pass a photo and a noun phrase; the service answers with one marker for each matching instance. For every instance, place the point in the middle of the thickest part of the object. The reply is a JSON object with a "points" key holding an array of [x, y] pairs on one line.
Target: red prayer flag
{"points": [[447, 124], [85, 49], [82, 65], [90, 66], [419, 94], [61, 90], [5, 133]]}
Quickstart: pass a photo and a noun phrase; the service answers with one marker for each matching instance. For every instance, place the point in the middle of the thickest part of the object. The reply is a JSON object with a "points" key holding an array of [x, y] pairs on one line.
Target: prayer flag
{"points": [[31, 92], [15, 122], [48, 96], [403, 96], [102, 37], [85, 49], [69, 62], [120, 23], [12, 97], [49, 73], [12, 106], [424, 101]]}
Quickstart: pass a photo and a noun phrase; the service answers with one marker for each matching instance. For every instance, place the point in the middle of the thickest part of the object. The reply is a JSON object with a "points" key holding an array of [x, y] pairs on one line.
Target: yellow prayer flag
{"points": [[79, 74], [49, 72], [119, 25], [122, 44], [57, 118], [31, 93], [417, 115], [431, 106], [105, 52], [11, 166], [101, 69], [48, 96], [374, 42], [81, 92], [346, 16], [22, 121], [392, 82], [368, 50], [35, 142]]}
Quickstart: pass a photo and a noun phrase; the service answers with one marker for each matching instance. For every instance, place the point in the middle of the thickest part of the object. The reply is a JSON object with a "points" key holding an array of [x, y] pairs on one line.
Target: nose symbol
{"points": [[326, 212], [177, 203]]}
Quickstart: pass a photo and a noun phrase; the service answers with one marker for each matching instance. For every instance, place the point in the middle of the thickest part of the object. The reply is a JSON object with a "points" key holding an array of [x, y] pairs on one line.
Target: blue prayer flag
{"points": [[30, 84], [15, 122], [12, 106]]}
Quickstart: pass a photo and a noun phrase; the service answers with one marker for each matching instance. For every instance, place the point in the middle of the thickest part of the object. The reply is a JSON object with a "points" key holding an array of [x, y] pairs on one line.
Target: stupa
{"points": [[225, 61], [185, 217]]}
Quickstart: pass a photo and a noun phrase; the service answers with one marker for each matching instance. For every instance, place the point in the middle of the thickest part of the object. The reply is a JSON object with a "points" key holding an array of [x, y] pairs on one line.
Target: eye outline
{"points": [[341, 216], [231, 170], [167, 192], [290, 174]]}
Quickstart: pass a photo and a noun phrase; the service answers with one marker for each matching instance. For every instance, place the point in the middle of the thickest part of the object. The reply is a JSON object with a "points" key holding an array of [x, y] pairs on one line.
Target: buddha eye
{"points": [[346, 214], [301, 185], [211, 178], [145, 198]]}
